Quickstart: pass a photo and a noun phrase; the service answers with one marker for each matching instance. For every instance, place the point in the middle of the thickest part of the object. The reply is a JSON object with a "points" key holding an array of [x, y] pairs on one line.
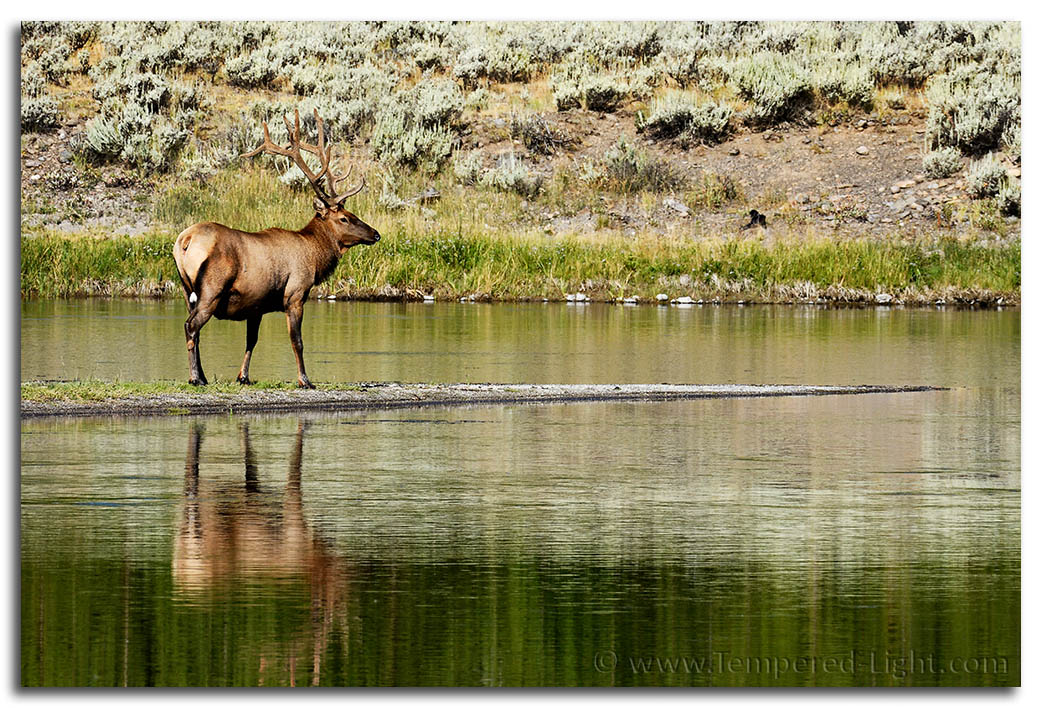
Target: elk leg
{"points": [[252, 327], [196, 319], [294, 315]]}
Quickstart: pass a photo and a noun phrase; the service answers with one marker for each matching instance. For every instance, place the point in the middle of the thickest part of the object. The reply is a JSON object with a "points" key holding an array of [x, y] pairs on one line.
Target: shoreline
{"points": [[383, 396]]}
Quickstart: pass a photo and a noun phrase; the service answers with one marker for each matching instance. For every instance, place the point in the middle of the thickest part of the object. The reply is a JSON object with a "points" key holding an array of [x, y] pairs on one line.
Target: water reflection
{"points": [[518, 545], [233, 535]]}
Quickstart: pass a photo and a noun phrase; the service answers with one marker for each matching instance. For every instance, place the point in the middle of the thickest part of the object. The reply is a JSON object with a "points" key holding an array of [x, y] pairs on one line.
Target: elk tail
{"points": [[189, 285]]}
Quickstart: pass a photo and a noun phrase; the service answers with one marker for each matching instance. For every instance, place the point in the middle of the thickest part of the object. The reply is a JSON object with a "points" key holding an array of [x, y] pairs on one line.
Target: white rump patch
{"points": [[192, 299]]}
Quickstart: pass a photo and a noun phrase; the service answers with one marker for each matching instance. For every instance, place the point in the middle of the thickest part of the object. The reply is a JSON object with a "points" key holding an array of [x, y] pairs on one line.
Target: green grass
{"points": [[97, 390], [453, 263]]}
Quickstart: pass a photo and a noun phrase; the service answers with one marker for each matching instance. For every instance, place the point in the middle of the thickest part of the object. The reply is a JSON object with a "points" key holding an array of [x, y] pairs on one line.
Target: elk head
{"points": [[331, 216]]}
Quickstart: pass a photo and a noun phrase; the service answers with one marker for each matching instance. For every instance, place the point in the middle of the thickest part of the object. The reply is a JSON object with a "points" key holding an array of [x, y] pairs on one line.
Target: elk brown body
{"points": [[238, 275]]}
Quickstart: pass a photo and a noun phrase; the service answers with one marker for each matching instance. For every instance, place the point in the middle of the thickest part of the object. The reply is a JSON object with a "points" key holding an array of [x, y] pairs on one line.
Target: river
{"points": [[865, 540]]}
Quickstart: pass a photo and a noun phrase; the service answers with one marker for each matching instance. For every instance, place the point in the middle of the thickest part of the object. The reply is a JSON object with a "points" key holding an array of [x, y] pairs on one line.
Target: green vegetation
{"points": [[942, 163], [467, 262]]}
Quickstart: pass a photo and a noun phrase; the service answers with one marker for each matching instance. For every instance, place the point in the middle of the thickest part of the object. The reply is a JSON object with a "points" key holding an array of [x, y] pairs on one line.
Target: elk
{"points": [[238, 275]]}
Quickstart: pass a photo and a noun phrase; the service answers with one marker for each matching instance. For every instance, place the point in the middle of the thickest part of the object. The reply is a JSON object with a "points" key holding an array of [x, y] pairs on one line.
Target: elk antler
{"points": [[323, 152]]}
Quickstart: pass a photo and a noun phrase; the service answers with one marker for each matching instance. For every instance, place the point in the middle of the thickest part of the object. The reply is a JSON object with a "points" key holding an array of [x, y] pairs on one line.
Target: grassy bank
{"points": [[451, 263]]}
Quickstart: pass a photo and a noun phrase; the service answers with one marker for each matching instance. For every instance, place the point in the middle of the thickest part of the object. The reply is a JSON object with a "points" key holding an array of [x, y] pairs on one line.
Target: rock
{"points": [[894, 189], [862, 150], [734, 152], [428, 195], [631, 300], [905, 183], [676, 206], [684, 300], [32, 163], [662, 297], [884, 298], [65, 156]]}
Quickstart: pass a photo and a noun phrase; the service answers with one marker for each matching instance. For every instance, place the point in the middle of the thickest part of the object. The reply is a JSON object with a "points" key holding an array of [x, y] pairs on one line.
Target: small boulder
{"points": [[676, 206]]}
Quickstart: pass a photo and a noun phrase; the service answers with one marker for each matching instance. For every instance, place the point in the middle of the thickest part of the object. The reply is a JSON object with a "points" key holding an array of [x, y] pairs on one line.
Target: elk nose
{"points": [[376, 236]]}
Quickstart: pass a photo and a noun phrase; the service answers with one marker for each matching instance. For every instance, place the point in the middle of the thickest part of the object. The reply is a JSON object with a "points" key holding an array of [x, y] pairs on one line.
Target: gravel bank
{"points": [[407, 395]]}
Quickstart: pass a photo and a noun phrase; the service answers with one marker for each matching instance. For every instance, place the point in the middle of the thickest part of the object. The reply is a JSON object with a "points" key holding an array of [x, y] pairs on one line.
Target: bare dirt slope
{"points": [[859, 177]]}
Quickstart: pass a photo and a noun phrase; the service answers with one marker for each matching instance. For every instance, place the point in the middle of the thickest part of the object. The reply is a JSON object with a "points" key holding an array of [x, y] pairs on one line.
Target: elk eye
{"points": [[343, 219]]}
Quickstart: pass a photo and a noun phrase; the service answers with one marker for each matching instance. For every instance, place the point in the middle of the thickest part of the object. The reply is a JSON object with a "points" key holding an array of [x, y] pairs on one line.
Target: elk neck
{"points": [[327, 247]]}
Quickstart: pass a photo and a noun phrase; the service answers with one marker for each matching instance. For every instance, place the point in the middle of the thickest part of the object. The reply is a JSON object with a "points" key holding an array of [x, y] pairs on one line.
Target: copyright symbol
{"points": [[605, 661]]}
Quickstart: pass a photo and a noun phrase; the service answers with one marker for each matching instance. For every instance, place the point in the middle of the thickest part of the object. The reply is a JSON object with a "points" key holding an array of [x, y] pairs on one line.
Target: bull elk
{"points": [[238, 275]]}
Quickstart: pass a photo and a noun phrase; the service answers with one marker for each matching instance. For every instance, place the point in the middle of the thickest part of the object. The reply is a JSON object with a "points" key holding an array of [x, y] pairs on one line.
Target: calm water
{"points": [[869, 540]]}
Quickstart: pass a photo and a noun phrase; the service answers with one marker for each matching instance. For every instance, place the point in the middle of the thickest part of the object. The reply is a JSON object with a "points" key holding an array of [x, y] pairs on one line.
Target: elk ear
{"points": [[320, 207]]}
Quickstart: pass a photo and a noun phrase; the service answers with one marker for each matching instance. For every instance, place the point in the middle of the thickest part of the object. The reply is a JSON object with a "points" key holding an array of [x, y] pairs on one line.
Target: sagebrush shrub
{"points": [[1008, 198], [467, 167], [971, 109], [986, 177], [536, 133], [511, 174], [39, 115], [688, 121], [777, 86], [942, 163], [627, 169]]}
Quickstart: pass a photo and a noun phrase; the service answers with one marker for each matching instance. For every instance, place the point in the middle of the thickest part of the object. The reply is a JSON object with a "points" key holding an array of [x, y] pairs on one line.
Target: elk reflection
{"points": [[231, 534]]}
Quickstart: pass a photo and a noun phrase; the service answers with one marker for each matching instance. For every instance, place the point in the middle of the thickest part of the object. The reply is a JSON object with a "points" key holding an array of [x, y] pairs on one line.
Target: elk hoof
{"points": [[304, 383], [201, 381], [244, 380]]}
